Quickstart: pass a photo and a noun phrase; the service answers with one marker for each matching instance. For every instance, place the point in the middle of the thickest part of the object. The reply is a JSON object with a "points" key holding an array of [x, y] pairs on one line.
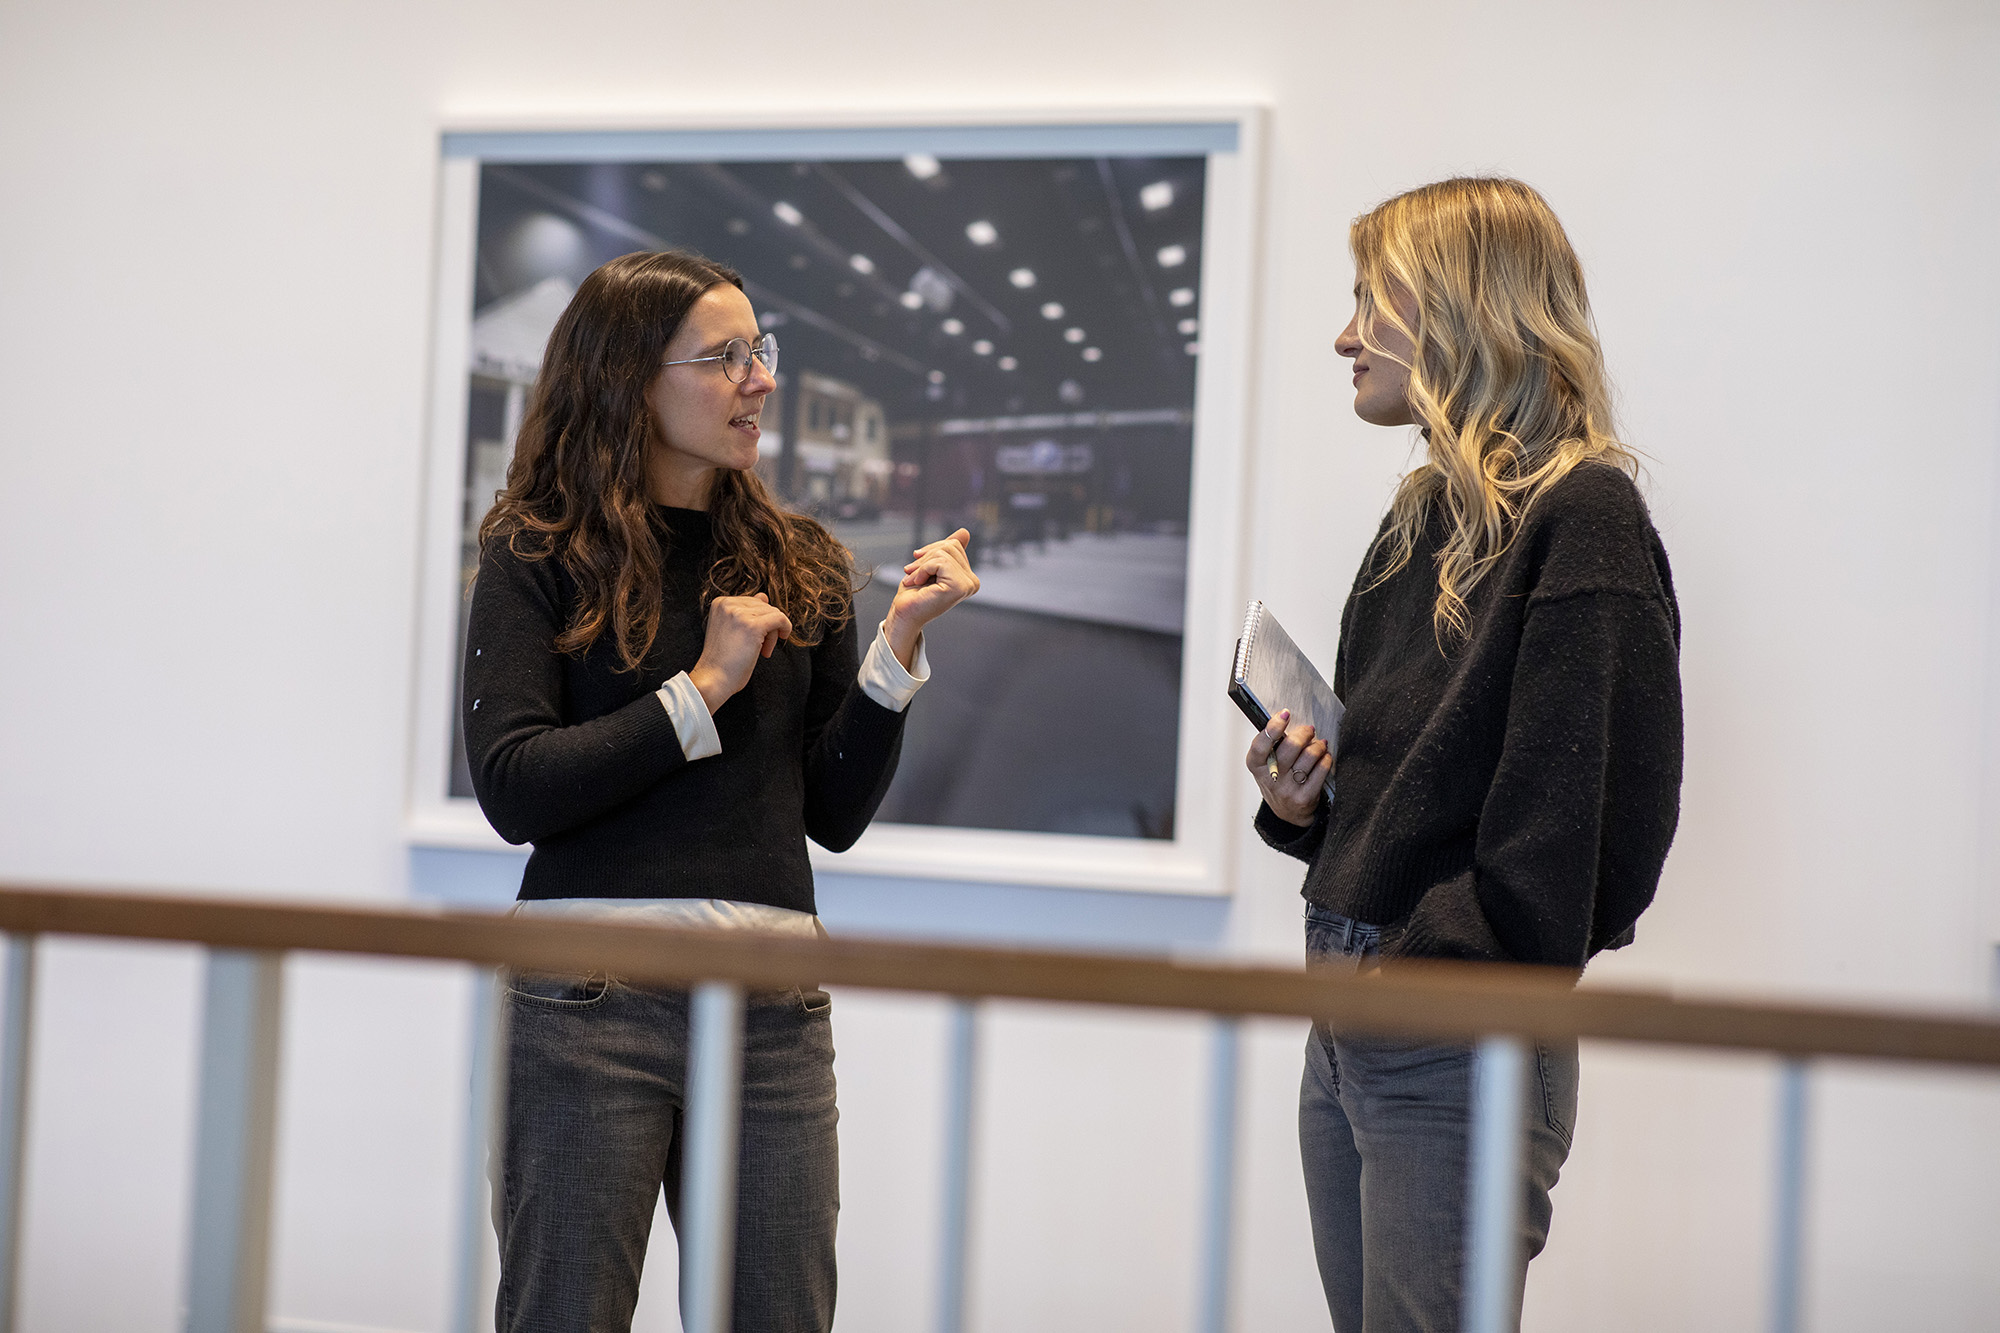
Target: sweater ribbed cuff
{"points": [[1281, 835]]}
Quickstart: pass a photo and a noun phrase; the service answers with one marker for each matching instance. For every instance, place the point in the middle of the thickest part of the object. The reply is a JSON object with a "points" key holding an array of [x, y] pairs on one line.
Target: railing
{"points": [[1500, 1008]]}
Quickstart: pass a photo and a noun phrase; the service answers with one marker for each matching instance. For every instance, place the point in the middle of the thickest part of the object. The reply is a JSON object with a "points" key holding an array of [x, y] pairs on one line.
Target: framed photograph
{"points": [[1036, 328]]}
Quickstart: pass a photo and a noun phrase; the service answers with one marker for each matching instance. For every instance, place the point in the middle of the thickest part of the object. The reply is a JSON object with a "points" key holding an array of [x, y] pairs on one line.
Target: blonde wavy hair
{"points": [[1506, 376]]}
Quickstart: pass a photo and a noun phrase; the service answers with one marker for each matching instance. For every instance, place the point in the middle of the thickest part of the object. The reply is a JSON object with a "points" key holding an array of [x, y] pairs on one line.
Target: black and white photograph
{"points": [[1008, 346]]}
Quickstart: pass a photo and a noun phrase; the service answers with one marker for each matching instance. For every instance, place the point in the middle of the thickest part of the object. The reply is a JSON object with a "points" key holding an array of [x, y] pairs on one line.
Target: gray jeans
{"points": [[1383, 1133], [596, 1086]]}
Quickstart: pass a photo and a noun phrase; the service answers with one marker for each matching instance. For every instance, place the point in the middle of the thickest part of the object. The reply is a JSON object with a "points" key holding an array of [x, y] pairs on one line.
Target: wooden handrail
{"points": [[1429, 1000]]}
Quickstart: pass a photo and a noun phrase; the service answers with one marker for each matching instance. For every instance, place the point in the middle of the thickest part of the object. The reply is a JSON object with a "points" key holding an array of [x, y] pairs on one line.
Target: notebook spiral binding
{"points": [[1252, 618]]}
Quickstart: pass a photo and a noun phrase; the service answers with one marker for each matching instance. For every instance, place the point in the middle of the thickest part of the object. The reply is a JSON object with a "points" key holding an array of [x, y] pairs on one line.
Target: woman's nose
{"points": [[1349, 341]]}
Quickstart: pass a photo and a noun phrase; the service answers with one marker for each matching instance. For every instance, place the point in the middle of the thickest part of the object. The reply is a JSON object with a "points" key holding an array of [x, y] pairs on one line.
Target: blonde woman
{"points": [[1507, 776]]}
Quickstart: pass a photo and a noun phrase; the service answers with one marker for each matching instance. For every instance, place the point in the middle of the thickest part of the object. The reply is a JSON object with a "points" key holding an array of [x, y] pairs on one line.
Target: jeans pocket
{"points": [[1322, 935], [547, 990], [1556, 1074]]}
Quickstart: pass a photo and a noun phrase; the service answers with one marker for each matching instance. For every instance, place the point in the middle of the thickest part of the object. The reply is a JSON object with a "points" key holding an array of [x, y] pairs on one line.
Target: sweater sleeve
{"points": [[1576, 824], [535, 776], [1284, 836], [851, 744]]}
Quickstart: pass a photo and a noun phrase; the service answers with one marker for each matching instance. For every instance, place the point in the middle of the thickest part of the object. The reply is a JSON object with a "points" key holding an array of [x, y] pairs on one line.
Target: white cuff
{"points": [[692, 723], [883, 678]]}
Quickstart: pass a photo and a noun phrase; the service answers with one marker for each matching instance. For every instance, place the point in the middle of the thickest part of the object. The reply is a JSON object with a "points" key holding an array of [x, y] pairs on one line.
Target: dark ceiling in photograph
{"points": [[941, 288]]}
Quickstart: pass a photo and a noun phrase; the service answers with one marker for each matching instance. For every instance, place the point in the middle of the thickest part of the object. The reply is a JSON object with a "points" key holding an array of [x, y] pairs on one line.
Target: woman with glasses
{"points": [[667, 694], [1507, 776]]}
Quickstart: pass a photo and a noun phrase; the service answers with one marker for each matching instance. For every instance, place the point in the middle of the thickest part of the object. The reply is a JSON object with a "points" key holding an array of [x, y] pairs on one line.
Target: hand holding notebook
{"points": [[1270, 675]]}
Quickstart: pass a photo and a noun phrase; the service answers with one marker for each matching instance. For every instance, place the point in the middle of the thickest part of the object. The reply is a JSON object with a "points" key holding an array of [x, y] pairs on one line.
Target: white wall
{"points": [[215, 238]]}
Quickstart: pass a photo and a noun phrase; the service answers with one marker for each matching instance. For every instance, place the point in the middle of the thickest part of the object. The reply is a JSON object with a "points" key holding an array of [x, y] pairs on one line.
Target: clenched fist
{"points": [[741, 630], [939, 578]]}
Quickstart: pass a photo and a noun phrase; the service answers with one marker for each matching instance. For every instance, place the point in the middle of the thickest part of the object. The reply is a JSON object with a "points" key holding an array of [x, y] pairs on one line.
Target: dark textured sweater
{"points": [[1510, 796], [579, 757]]}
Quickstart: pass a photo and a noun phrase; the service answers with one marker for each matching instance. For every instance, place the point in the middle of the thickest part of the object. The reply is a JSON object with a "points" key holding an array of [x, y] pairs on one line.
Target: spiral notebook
{"points": [[1271, 674]]}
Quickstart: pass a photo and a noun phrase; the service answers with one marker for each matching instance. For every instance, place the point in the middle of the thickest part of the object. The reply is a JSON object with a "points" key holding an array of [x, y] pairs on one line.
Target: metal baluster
{"points": [[1218, 1213], [486, 1107], [954, 1226], [15, 1052], [229, 1240], [1493, 1202], [1788, 1220], [708, 1185]]}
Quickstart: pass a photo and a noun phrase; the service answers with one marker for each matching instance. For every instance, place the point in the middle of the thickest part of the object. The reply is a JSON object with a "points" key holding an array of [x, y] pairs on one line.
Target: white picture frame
{"points": [[1209, 794]]}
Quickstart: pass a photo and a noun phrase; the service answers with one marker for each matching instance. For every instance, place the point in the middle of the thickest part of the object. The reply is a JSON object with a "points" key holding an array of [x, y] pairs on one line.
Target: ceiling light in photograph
{"points": [[1194, 349], [1022, 277], [540, 246], [1158, 195], [798, 261], [1007, 363], [788, 215], [1070, 392], [1172, 256], [982, 348], [861, 264], [937, 377], [654, 180], [922, 165], [953, 327], [981, 232], [933, 288], [1093, 354], [1053, 310], [912, 300], [1073, 335], [738, 227], [1181, 296], [1188, 326]]}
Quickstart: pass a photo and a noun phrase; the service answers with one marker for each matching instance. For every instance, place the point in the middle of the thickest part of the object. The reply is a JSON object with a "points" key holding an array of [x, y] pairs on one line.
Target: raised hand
{"points": [[939, 578], [1291, 768], [741, 630]]}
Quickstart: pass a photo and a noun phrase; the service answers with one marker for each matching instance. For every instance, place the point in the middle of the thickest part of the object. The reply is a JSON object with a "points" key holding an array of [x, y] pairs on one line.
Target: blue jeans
{"points": [[596, 1082], [1383, 1134]]}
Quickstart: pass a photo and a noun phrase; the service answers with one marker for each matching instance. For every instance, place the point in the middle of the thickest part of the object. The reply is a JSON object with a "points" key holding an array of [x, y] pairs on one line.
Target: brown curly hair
{"points": [[576, 488]]}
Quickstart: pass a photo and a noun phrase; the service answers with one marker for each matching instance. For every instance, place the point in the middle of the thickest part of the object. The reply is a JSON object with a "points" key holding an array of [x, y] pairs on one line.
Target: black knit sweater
{"points": [[1512, 795], [579, 757]]}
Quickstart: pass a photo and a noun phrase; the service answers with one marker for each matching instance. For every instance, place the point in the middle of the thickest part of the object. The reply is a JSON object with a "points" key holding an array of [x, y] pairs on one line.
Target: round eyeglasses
{"points": [[735, 357]]}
